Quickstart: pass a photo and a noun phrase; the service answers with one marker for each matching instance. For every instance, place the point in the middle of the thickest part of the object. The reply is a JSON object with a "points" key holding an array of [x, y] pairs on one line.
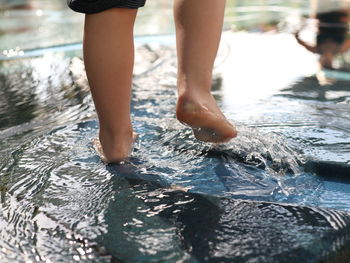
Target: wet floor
{"points": [[280, 192]]}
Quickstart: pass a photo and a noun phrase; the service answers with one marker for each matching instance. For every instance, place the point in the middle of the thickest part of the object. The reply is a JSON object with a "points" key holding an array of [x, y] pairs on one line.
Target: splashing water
{"points": [[176, 199]]}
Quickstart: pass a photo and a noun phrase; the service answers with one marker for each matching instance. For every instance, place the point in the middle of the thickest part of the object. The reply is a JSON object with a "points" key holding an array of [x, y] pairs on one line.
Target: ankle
{"points": [[114, 148], [192, 89], [194, 99], [116, 145], [112, 134]]}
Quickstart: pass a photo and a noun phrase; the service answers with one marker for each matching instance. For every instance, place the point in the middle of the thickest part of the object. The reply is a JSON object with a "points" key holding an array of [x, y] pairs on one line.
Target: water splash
{"points": [[58, 198]]}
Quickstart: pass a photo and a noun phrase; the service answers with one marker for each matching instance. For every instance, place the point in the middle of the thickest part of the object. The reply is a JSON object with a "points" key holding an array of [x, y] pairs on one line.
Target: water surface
{"points": [[280, 191]]}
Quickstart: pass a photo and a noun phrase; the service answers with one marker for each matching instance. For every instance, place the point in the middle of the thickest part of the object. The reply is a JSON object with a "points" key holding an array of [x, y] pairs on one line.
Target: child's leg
{"points": [[198, 31], [109, 58]]}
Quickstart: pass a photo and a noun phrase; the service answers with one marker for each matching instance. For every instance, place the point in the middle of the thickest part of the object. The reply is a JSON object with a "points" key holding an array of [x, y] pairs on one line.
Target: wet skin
{"points": [[201, 113], [109, 62]]}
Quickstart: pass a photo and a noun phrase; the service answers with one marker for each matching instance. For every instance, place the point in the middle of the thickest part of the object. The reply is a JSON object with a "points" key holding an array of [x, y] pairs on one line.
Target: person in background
{"points": [[109, 57], [331, 37]]}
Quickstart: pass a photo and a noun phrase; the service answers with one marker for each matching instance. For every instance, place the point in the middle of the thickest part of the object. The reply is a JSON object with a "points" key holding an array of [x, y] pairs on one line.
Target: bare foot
{"points": [[201, 113], [114, 149]]}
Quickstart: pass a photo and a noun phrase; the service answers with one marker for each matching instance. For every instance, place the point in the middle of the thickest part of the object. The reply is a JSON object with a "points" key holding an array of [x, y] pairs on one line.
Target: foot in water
{"points": [[114, 149], [202, 114]]}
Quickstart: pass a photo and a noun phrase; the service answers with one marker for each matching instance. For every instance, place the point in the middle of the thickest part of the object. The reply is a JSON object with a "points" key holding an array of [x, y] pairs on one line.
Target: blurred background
{"points": [[34, 24], [28, 24]]}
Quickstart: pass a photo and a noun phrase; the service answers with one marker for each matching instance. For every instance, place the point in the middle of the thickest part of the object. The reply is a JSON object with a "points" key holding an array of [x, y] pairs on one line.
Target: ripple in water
{"points": [[174, 200]]}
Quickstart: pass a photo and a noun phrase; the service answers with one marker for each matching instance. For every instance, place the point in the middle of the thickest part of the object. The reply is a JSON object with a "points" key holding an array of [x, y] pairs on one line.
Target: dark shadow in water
{"points": [[210, 229], [329, 102], [332, 171], [17, 105], [253, 161], [309, 88], [23, 99], [130, 170]]}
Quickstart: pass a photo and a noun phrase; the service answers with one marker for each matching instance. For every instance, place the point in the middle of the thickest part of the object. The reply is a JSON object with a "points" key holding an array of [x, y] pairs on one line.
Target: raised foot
{"points": [[205, 118], [112, 152]]}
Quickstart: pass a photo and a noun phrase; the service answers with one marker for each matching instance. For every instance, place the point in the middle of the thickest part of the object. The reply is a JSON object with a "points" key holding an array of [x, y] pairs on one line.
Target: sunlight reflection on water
{"points": [[175, 199]]}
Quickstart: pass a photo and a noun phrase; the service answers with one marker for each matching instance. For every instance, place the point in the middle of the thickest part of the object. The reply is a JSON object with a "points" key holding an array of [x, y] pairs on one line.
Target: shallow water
{"points": [[280, 191], [58, 198]]}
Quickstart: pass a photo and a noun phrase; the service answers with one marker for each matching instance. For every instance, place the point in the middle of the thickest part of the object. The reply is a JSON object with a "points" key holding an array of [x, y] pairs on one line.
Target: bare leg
{"points": [[109, 59], [198, 31]]}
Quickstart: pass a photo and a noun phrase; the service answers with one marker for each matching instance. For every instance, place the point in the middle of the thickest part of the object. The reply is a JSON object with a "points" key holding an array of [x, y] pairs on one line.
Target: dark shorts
{"points": [[95, 6]]}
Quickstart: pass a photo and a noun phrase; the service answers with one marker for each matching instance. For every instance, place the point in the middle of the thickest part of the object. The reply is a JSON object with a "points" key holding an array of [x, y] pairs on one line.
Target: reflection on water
{"points": [[279, 192], [181, 195]]}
